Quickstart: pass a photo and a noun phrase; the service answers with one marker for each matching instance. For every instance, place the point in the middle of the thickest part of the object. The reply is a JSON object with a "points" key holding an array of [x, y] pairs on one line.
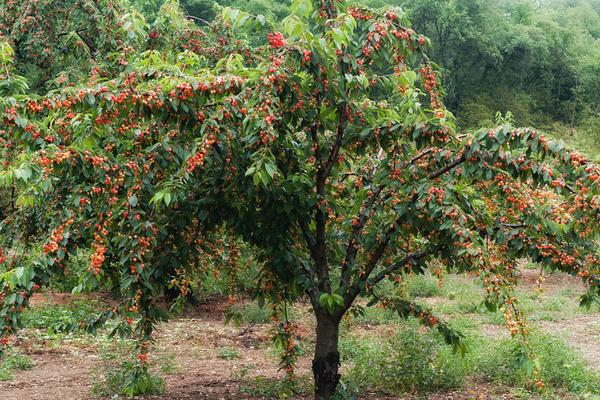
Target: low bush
{"points": [[412, 360], [560, 367], [118, 374], [129, 380]]}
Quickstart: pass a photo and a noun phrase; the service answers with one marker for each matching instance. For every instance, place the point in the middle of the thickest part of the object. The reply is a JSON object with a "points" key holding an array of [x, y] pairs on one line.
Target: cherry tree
{"points": [[324, 145]]}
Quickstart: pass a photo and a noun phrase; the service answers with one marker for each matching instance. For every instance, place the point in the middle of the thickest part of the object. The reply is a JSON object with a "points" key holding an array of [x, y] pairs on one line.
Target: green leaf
{"points": [[23, 173], [339, 38], [20, 121], [331, 301], [167, 199], [302, 8], [271, 169]]}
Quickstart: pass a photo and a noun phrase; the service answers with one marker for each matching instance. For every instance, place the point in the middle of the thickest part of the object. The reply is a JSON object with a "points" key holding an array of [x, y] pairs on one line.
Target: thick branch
{"points": [[335, 150], [320, 253], [314, 130], [402, 263], [448, 167]]}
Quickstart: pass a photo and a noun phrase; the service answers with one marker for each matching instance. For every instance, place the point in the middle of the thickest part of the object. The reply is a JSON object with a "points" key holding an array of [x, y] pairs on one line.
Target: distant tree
{"points": [[486, 48], [202, 9]]}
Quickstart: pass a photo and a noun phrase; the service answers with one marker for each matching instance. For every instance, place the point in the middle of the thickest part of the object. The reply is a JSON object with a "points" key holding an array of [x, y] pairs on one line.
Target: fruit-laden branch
{"points": [[351, 247]]}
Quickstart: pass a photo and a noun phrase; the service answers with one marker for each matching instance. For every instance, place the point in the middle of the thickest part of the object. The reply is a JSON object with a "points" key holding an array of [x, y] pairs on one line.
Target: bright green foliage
{"points": [[326, 147], [60, 42], [409, 361]]}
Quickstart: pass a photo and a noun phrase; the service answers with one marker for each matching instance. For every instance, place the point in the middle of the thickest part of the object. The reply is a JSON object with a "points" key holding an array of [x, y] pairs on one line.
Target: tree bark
{"points": [[326, 362]]}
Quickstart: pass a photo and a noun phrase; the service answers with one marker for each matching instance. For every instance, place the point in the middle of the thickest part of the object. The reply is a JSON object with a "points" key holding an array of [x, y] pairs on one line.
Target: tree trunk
{"points": [[327, 357]]}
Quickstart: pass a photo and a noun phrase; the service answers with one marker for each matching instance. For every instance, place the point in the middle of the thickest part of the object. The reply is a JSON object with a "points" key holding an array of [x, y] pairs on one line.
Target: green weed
{"points": [[118, 375], [228, 353], [12, 362]]}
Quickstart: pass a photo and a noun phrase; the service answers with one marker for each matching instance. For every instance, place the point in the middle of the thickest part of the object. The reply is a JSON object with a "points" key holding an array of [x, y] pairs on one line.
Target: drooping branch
{"points": [[356, 288]]}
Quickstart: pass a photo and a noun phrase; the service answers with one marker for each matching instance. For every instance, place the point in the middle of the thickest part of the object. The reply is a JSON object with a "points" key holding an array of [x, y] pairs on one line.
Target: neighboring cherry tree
{"points": [[325, 146]]}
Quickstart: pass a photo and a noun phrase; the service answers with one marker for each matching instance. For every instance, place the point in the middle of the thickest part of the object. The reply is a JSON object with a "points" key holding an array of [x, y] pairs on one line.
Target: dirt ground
{"points": [[63, 372]]}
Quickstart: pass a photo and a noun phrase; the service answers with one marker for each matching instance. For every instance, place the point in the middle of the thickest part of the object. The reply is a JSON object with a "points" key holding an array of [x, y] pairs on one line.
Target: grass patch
{"points": [[273, 388], [249, 313], [228, 353], [422, 286], [60, 319], [13, 362], [561, 368], [416, 360]]}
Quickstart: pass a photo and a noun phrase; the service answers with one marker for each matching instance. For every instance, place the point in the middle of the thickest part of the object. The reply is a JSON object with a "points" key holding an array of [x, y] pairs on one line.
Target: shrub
{"points": [[130, 380], [410, 361], [560, 367]]}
